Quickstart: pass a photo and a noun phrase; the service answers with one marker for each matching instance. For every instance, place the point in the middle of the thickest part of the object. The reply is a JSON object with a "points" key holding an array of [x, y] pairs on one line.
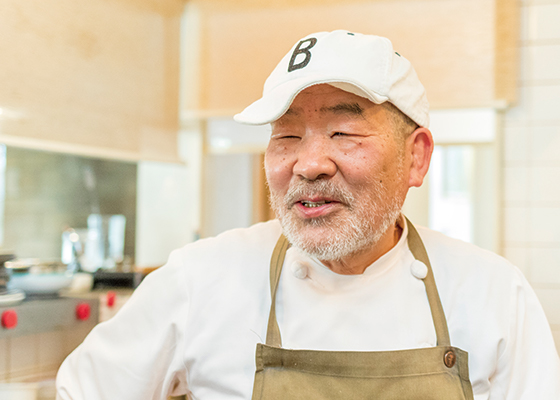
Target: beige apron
{"points": [[435, 373]]}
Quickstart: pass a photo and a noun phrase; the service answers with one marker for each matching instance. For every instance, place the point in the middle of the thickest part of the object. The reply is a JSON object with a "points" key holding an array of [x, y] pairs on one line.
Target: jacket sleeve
{"points": [[529, 366], [138, 353]]}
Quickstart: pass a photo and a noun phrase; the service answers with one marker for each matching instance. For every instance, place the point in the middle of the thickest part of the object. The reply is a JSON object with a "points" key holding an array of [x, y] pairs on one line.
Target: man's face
{"points": [[336, 172]]}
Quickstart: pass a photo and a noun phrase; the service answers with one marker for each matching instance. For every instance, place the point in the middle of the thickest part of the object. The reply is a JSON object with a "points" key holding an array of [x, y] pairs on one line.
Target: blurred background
{"points": [[117, 143]]}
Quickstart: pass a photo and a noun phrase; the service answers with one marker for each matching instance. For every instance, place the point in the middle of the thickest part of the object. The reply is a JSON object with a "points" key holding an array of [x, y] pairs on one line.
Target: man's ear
{"points": [[419, 146]]}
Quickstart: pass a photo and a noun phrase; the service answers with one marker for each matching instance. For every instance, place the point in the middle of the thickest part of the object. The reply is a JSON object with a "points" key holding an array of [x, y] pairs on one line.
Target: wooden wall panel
{"points": [[463, 50], [96, 77]]}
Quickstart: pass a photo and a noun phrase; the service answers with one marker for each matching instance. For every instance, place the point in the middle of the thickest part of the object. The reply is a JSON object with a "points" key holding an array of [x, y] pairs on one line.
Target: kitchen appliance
{"points": [[100, 246], [26, 375], [104, 247], [112, 279]]}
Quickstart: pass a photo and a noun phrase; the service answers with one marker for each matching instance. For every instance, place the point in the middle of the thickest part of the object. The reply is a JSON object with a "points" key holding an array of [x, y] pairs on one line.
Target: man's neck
{"points": [[356, 264]]}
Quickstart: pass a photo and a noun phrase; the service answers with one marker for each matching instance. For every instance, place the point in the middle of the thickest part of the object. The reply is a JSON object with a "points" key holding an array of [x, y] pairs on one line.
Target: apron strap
{"points": [[273, 337], [418, 250], [438, 316]]}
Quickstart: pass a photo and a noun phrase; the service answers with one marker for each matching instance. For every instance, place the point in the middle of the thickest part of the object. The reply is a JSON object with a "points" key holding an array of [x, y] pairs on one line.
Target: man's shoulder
{"points": [[239, 239], [236, 246], [471, 278], [449, 255]]}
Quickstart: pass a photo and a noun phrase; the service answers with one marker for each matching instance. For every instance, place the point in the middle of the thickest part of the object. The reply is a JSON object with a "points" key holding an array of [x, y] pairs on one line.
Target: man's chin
{"points": [[323, 248], [334, 238], [310, 227], [318, 239]]}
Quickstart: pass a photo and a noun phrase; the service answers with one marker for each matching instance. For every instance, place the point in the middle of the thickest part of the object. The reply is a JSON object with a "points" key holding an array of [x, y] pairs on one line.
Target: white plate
{"points": [[12, 298], [40, 283]]}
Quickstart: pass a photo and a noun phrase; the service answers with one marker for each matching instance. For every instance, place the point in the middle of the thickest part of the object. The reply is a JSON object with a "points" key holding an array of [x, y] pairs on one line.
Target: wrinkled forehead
{"points": [[327, 101]]}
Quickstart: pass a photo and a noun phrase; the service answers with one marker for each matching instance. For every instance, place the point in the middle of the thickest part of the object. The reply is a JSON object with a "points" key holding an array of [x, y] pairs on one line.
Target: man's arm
{"points": [[137, 354], [529, 366]]}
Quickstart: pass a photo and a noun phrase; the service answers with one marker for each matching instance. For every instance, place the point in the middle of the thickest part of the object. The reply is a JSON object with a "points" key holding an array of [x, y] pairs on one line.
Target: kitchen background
{"points": [[46, 192], [124, 108]]}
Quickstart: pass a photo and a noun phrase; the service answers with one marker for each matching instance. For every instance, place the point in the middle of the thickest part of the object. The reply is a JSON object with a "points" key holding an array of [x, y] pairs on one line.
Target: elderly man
{"points": [[342, 298]]}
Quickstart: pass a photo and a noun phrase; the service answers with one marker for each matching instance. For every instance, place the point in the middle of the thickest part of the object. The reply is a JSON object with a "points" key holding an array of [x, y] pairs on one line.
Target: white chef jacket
{"points": [[192, 326]]}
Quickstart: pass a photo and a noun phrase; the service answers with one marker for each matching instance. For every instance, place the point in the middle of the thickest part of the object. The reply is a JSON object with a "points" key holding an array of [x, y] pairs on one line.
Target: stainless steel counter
{"points": [[49, 314]]}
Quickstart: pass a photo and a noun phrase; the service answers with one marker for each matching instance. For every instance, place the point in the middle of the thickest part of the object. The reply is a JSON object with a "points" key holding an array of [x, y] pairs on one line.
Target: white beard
{"points": [[342, 234]]}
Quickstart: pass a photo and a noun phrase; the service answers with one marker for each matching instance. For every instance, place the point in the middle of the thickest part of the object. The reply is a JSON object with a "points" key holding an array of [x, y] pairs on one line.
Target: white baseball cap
{"points": [[364, 65]]}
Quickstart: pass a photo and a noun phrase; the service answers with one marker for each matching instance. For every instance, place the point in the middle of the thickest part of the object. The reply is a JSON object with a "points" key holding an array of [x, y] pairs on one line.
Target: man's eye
{"points": [[339, 134]]}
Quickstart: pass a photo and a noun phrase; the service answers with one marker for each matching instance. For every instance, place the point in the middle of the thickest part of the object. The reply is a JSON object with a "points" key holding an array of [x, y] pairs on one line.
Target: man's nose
{"points": [[314, 160]]}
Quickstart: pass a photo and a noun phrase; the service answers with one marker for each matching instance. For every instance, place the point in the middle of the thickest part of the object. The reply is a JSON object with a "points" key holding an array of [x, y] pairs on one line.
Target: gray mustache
{"points": [[320, 188]]}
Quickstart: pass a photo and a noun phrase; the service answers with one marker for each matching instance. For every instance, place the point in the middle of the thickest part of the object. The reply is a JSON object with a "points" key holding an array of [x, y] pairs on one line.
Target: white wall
{"points": [[228, 192], [162, 222], [478, 219], [168, 202], [531, 157]]}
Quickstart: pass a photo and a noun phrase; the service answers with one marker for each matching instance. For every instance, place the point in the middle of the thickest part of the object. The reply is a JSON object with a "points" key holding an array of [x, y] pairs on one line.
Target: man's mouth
{"points": [[317, 199], [312, 204]]}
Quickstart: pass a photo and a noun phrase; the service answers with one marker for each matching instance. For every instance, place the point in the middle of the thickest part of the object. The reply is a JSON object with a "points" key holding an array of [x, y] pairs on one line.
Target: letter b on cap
{"points": [[301, 48]]}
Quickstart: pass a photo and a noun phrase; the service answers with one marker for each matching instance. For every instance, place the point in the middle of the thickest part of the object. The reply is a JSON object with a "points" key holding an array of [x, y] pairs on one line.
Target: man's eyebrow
{"points": [[292, 111], [341, 108], [344, 108]]}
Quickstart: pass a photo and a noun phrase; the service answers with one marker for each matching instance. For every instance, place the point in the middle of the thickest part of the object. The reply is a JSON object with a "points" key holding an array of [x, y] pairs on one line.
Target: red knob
{"points": [[111, 297], [83, 310], [9, 319]]}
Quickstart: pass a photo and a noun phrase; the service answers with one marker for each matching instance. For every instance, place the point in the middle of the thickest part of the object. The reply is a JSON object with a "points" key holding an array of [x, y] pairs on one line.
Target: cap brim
{"points": [[276, 102]]}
